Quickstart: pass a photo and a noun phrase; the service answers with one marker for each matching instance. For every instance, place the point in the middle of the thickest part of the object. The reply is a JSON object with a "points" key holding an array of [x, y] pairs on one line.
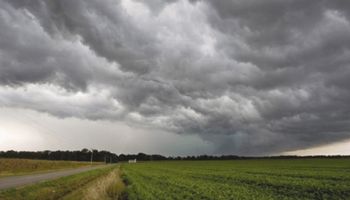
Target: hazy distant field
{"points": [[10, 167], [241, 179]]}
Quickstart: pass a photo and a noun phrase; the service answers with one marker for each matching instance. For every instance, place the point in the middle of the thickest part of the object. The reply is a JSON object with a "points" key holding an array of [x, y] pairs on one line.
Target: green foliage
{"points": [[239, 179]]}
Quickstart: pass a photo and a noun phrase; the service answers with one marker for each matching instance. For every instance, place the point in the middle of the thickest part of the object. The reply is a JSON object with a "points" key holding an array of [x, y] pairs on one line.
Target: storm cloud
{"points": [[248, 76]]}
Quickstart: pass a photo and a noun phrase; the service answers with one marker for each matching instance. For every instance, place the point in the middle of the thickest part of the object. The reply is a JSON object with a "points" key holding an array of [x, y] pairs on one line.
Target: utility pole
{"points": [[92, 156]]}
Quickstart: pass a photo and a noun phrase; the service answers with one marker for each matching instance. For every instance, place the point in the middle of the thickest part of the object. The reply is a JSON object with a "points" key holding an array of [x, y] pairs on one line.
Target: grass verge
{"points": [[107, 187]]}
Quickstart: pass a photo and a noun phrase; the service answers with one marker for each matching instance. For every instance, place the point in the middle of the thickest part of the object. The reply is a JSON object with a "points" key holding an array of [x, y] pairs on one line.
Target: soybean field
{"points": [[327, 178]]}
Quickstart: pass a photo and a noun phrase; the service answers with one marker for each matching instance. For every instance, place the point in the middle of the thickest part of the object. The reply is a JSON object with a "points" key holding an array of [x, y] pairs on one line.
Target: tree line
{"points": [[109, 157], [82, 155]]}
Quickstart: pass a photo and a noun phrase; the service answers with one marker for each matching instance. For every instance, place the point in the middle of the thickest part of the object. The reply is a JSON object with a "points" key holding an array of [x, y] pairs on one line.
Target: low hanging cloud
{"points": [[249, 76]]}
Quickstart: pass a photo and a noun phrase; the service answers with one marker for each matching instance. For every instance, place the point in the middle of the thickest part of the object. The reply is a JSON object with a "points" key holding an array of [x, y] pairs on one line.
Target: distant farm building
{"points": [[133, 161]]}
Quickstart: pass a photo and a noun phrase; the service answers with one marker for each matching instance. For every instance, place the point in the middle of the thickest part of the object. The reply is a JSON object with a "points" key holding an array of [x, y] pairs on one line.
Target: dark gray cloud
{"points": [[248, 76]]}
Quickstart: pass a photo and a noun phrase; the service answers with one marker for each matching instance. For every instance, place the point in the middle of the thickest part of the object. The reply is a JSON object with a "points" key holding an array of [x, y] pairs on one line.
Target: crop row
{"points": [[264, 179]]}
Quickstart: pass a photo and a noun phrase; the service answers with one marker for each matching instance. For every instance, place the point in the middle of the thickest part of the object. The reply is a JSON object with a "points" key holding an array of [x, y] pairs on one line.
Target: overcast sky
{"points": [[176, 77]]}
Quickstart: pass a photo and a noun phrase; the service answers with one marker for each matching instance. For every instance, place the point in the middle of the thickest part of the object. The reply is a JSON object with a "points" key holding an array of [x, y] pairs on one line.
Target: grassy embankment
{"points": [[101, 183], [239, 179], [109, 186], [10, 167]]}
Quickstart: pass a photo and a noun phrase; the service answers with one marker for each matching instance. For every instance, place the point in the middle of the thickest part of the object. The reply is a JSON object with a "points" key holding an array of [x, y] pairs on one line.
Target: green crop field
{"points": [[239, 179]]}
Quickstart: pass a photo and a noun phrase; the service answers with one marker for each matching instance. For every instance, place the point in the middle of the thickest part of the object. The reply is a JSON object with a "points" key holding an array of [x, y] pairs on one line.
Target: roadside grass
{"points": [[107, 187], [14, 167], [56, 189]]}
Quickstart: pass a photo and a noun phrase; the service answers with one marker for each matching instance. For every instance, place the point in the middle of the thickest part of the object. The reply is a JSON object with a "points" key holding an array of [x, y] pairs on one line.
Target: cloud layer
{"points": [[249, 76]]}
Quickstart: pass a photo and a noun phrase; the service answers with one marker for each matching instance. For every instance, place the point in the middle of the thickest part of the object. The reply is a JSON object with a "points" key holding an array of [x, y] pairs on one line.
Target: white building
{"points": [[133, 161]]}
